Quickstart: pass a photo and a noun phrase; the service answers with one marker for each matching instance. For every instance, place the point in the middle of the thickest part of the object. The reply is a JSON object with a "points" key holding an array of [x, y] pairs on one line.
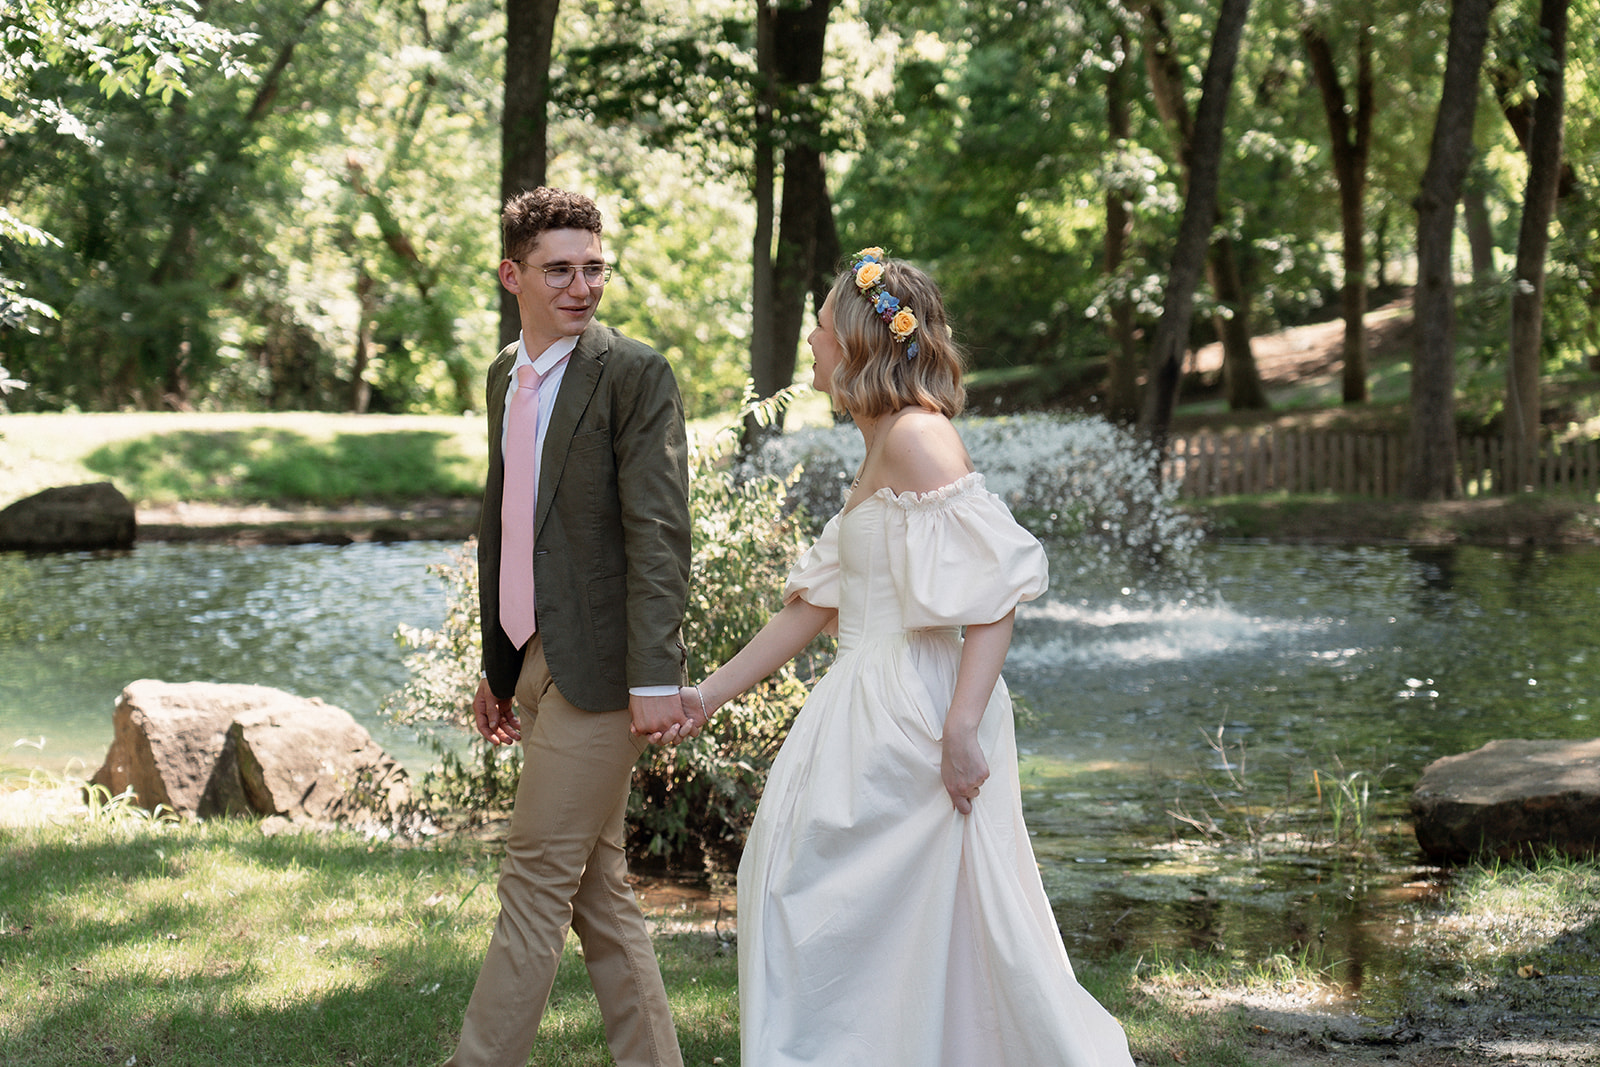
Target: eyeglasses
{"points": [[595, 274]]}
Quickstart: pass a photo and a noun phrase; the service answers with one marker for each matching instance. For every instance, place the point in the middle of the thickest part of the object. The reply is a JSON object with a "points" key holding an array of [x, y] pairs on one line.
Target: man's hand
{"points": [[493, 716], [658, 718], [695, 713]]}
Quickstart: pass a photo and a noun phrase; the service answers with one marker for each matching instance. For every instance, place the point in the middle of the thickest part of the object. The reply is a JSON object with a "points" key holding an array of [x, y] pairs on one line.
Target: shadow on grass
{"points": [[217, 945], [282, 466]]}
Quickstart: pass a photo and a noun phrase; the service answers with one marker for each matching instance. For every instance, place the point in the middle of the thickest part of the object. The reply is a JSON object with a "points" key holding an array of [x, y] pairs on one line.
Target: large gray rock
{"points": [[206, 749], [307, 761], [1511, 799], [167, 738], [69, 518]]}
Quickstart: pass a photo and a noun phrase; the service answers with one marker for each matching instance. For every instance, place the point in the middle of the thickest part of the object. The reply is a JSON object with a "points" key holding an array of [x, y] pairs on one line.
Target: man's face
{"points": [[548, 313]]}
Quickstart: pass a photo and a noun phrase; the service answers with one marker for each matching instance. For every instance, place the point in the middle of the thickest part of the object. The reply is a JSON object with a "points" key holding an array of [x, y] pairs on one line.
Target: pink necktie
{"points": [[517, 505]]}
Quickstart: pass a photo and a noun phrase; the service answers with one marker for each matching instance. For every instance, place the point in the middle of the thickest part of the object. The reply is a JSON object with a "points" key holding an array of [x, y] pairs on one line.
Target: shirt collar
{"points": [[546, 360]]}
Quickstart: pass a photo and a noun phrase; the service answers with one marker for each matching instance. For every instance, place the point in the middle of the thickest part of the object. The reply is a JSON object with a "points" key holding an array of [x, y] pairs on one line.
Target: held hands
{"points": [[696, 717], [494, 717], [963, 767], [657, 717]]}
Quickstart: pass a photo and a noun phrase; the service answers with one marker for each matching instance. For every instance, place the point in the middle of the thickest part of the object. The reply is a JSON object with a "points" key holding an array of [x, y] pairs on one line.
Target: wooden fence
{"points": [[1364, 464]]}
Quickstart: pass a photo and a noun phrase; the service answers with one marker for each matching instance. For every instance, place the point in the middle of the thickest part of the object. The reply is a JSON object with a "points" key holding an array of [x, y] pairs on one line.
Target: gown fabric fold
{"points": [[878, 926]]}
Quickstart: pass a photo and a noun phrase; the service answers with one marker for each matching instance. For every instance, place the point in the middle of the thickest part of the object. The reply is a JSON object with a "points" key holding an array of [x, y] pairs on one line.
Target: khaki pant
{"points": [[565, 866]]}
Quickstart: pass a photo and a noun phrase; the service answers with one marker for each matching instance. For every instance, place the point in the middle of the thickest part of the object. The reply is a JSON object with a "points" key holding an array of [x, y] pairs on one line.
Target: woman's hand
{"points": [[696, 718], [963, 767]]}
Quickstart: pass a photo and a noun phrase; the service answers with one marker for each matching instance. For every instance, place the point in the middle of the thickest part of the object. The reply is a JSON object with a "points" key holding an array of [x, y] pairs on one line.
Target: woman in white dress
{"points": [[890, 910]]}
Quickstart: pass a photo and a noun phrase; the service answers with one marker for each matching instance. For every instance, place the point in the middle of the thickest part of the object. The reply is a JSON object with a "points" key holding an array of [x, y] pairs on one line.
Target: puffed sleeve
{"points": [[814, 577], [966, 559]]}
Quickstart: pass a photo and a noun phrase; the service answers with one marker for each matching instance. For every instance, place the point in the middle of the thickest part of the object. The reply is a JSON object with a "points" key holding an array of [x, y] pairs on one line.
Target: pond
{"points": [[315, 620], [1191, 757]]}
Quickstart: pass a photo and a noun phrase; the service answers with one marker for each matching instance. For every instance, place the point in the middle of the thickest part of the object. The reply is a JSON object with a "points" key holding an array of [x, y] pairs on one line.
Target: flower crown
{"points": [[867, 268]]}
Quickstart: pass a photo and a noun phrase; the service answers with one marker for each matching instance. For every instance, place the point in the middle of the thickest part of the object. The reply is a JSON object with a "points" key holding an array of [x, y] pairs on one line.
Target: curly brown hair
{"points": [[533, 211], [874, 377]]}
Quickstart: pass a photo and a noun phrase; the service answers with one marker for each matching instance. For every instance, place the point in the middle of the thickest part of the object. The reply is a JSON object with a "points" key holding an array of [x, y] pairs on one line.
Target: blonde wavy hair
{"points": [[874, 377]]}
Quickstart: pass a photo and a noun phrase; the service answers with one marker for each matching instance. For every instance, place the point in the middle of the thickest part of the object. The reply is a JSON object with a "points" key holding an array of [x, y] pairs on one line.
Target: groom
{"points": [[583, 567]]}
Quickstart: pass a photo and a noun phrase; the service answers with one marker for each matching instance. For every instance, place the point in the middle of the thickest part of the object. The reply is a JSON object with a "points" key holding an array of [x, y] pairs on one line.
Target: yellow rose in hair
{"points": [[868, 275], [903, 325], [875, 252]]}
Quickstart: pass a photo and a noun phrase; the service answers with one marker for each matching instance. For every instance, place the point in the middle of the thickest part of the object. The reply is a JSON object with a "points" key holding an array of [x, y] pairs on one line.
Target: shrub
{"points": [[693, 803], [473, 777]]}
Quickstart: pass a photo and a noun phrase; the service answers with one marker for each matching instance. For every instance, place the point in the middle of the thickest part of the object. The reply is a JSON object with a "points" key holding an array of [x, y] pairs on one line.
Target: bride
{"points": [[890, 910]]}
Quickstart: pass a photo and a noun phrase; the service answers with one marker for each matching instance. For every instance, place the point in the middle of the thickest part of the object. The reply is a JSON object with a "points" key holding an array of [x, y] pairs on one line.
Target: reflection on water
{"points": [[1294, 672], [314, 620], [1287, 670]]}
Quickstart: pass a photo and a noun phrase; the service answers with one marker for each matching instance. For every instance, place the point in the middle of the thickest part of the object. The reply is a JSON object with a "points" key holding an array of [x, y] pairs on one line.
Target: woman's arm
{"points": [[780, 640], [983, 652]]}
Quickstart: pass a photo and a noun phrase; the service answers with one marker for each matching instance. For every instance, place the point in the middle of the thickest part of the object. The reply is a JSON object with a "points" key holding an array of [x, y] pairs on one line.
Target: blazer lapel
{"points": [[577, 389]]}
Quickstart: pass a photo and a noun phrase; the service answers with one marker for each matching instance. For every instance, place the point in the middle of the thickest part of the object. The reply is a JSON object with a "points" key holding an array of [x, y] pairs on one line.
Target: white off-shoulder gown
{"points": [[878, 926]]}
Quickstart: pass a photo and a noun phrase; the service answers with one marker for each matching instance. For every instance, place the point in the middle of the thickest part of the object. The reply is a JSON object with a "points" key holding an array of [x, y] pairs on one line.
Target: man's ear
{"points": [[509, 277]]}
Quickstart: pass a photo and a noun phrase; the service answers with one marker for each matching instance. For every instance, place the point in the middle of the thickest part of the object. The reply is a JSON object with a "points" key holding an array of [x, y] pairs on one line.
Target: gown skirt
{"points": [[878, 926]]}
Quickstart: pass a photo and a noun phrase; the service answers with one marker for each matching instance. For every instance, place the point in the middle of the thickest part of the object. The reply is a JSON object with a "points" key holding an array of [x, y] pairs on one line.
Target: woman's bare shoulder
{"points": [[922, 451]]}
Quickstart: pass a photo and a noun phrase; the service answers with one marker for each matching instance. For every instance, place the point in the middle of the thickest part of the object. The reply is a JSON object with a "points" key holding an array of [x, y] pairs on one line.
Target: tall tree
{"points": [[1431, 459], [1350, 134], [1194, 231], [791, 40], [524, 124], [1241, 378], [1533, 239], [1122, 362]]}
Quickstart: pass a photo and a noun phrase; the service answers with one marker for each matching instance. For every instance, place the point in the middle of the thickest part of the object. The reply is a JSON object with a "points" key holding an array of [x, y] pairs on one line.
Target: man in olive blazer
{"points": [[601, 671], [611, 557]]}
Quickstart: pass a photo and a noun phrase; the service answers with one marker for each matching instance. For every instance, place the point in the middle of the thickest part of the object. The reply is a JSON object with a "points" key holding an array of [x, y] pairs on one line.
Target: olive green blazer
{"points": [[611, 533]]}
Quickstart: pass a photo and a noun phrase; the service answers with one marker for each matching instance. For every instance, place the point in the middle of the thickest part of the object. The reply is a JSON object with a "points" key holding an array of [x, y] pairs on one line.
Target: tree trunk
{"points": [[1122, 366], [1194, 230], [1533, 242], [360, 388], [1480, 231], [524, 124], [805, 198], [1241, 381], [762, 296], [1241, 378], [1508, 81], [797, 262], [1431, 460], [1351, 137]]}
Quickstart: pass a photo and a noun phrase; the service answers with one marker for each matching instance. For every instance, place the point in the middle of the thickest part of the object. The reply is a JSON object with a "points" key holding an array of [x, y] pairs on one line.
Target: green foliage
{"points": [[473, 777], [683, 273], [326, 180], [692, 803]]}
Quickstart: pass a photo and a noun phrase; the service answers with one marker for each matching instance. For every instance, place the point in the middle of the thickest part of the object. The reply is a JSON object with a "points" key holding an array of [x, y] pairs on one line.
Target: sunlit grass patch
{"points": [[139, 941]]}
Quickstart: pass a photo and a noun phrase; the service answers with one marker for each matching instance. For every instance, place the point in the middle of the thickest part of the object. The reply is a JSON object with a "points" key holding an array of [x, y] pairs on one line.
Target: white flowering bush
{"points": [[1067, 478]]}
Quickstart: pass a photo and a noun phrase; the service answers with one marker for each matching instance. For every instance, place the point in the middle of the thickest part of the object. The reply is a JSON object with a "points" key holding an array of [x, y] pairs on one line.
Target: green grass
{"points": [[130, 941], [246, 458], [127, 940]]}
